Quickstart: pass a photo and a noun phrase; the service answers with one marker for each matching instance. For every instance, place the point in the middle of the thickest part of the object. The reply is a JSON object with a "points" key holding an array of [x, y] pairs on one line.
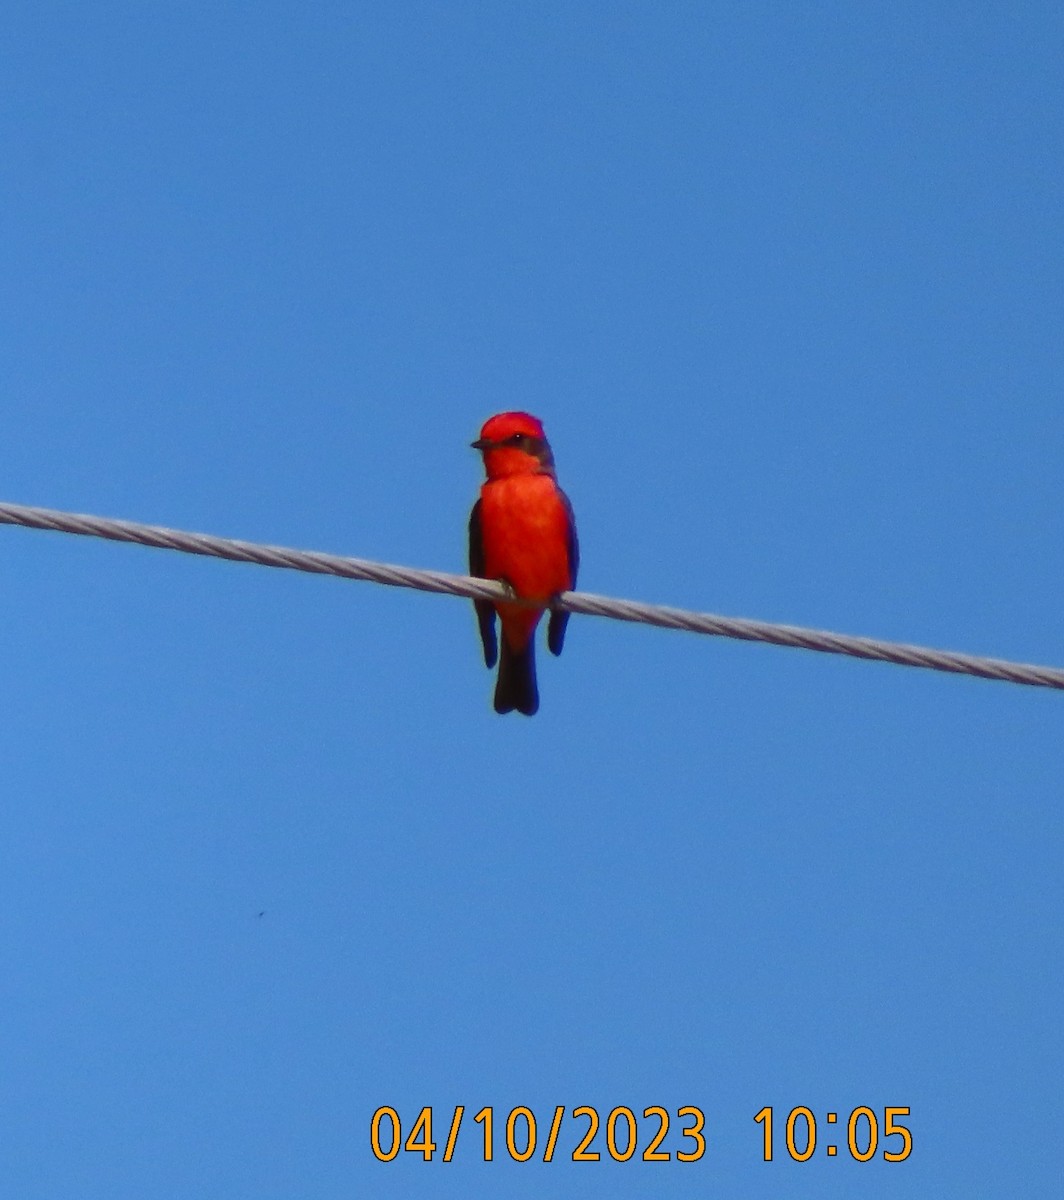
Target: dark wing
{"points": [[559, 620], [485, 609], [574, 542]]}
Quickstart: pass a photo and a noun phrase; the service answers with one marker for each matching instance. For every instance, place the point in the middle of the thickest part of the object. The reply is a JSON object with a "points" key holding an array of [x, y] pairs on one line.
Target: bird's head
{"points": [[513, 443]]}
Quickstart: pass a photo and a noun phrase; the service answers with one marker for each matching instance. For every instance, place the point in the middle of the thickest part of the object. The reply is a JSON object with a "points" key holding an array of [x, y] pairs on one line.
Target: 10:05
{"points": [[862, 1133]]}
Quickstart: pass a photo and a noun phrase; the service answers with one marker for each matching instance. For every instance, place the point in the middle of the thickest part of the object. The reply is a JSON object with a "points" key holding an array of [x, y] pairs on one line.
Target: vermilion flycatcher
{"points": [[521, 531]]}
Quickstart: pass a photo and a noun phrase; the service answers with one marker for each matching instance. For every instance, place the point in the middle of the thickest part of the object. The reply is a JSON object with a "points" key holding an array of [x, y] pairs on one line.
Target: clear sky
{"points": [[784, 282]]}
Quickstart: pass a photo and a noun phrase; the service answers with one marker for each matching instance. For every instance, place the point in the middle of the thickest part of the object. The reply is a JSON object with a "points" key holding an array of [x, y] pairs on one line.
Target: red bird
{"points": [[521, 531]]}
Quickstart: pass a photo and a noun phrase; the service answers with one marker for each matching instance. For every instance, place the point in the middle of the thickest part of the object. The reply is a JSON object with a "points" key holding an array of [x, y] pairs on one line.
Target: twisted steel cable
{"points": [[576, 602]]}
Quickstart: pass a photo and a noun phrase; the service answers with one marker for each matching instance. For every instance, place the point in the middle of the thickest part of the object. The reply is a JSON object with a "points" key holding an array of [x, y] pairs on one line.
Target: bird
{"points": [[521, 531]]}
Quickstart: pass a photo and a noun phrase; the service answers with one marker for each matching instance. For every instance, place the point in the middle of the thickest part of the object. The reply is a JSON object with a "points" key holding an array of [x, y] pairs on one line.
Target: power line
{"points": [[576, 602]]}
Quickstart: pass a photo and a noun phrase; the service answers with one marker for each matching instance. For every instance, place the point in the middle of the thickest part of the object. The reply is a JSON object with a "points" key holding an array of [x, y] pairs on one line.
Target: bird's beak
{"points": [[482, 444]]}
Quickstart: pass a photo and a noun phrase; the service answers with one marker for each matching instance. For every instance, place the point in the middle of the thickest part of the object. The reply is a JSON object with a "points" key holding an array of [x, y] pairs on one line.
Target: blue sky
{"points": [[784, 284]]}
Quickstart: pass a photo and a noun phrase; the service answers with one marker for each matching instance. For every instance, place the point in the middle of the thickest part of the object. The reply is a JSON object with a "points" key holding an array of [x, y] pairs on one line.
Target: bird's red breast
{"points": [[525, 524]]}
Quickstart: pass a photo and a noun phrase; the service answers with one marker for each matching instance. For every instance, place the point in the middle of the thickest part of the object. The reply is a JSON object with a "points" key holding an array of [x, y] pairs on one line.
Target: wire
{"points": [[486, 589]]}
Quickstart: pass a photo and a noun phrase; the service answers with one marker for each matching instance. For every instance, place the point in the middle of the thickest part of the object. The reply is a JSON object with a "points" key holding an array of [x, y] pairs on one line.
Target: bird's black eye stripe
{"points": [[525, 441]]}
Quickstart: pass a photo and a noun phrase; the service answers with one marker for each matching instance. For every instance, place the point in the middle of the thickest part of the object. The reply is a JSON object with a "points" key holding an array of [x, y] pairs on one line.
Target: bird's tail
{"points": [[516, 686]]}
